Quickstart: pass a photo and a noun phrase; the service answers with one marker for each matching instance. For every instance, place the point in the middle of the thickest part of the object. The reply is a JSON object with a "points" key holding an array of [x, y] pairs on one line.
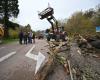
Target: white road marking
{"points": [[2, 48], [79, 52], [7, 56], [30, 50], [32, 56], [39, 58]]}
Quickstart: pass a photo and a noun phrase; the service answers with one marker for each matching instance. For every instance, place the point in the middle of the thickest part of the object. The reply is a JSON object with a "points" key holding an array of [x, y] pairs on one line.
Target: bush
{"points": [[13, 33]]}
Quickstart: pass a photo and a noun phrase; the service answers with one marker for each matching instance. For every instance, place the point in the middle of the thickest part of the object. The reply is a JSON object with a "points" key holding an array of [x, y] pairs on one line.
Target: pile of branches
{"points": [[54, 58]]}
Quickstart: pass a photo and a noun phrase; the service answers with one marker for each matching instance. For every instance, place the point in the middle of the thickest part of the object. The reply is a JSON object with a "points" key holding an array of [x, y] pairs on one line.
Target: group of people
{"points": [[26, 37]]}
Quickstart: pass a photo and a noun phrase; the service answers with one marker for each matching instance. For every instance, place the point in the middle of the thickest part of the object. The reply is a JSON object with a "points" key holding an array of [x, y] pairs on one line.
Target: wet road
{"points": [[14, 65]]}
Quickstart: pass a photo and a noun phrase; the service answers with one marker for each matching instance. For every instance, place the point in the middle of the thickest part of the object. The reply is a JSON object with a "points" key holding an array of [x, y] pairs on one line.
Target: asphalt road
{"points": [[15, 65]]}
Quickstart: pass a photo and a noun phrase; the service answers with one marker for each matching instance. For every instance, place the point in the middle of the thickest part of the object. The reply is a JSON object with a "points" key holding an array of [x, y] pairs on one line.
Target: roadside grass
{"points": [[8, 40]]}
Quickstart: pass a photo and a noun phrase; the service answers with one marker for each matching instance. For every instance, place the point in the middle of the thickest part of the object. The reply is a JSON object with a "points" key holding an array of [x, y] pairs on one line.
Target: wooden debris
{"points": [[66, 67], [71, 75], [59, 46], [95, 56], [55, 48]]}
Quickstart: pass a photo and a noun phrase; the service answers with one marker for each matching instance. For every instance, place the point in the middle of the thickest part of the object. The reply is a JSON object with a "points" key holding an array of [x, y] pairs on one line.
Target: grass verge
{"points": [[7, 41]]}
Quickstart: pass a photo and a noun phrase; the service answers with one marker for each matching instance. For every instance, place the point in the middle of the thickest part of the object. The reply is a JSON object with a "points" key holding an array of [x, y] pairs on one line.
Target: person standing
{"points": [[20, 37], [25, 37], [34, 38], [30, 37]]}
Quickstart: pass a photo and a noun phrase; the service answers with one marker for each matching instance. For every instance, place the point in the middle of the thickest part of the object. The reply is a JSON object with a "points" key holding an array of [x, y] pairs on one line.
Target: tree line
{"points": [[83, 22]]}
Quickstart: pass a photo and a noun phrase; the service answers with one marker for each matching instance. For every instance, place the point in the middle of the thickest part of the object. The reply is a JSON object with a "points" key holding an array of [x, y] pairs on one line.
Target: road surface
{"points": [[15, 65]]}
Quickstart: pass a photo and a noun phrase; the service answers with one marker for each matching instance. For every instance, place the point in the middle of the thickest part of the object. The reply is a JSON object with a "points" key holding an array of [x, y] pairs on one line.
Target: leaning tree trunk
{"points": [[6, 32], [6, 19]]}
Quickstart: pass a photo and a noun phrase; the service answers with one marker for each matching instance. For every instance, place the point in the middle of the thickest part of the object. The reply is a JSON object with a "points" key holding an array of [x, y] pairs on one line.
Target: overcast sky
{"points": [[62, 9]]}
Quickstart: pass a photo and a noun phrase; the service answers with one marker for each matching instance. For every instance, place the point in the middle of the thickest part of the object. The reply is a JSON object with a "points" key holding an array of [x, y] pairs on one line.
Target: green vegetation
{"points": [[83, 23], [13, 33], [13, 36], [8, 9], [9, 40]]}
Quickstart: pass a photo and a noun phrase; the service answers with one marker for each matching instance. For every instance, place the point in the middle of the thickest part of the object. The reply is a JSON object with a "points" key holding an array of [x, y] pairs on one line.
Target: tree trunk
{"points": [[6, 19], [6, 32]]}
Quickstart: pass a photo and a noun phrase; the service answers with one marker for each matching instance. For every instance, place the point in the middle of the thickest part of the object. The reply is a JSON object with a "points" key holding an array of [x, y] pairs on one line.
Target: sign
{"points": [[98, 29]]}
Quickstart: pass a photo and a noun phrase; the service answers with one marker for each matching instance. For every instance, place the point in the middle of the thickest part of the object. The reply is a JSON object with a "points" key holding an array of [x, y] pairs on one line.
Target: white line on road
{"points": [[2, 48], [30, 50], [7, 56], [32, 56], [39, 58]]}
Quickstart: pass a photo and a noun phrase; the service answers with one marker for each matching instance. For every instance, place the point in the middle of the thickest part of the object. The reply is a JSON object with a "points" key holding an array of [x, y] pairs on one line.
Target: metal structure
{"points": [[48, 14]]}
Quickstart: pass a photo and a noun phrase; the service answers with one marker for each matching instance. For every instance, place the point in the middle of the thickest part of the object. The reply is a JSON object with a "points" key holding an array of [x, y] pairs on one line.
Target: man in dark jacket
{"points": [[20, 37], [25, 37]]}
